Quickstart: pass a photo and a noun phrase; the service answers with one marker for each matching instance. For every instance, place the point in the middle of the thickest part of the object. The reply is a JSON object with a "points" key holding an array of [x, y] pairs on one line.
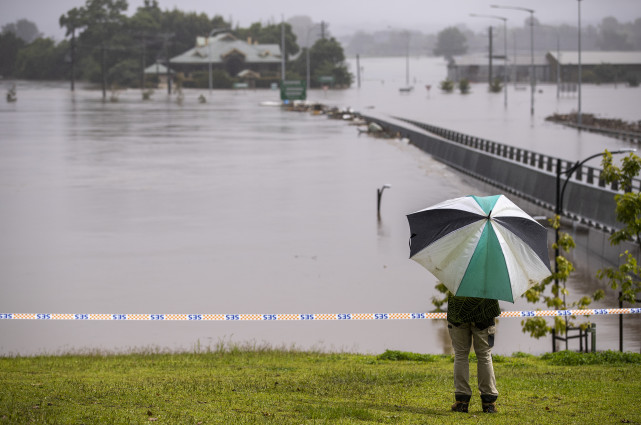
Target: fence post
{"points": [[620, 322], [593, 330], [581, 340]]}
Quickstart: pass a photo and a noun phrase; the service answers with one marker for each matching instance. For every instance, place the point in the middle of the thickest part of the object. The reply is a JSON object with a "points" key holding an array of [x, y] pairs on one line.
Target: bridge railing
{"points": [[586, 174], [527, 174]]}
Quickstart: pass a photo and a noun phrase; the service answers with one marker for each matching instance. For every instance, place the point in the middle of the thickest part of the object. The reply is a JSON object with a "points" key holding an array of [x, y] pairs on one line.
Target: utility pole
{"points": [[491, 54], [282, 48], [165, 37], [532, 76], [73, 59], [358, 71], [103, 73], [504, 19]]}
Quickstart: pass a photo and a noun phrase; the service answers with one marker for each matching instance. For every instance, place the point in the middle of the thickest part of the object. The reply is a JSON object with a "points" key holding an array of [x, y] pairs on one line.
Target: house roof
{"points": [[158, 68], [597, 57], [214, 49], [483, 60]]}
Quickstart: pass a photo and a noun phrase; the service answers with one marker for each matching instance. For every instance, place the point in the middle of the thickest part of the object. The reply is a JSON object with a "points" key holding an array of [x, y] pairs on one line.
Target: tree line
{"points": [[104, 45], [610, 34]]}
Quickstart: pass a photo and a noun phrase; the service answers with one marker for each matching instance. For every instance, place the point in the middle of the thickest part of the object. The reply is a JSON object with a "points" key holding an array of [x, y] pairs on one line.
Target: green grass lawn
{"points": [[238, 386]]}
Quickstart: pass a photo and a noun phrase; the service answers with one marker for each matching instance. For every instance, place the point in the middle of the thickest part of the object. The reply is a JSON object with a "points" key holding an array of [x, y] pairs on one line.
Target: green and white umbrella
{"points": [[483, 247]]}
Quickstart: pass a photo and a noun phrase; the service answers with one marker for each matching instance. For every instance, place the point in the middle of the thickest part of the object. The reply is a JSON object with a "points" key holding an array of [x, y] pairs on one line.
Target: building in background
{"points": [[224, 51]]}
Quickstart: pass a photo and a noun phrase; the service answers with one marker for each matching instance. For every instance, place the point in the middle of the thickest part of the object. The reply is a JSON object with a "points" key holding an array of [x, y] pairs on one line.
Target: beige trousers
{"points": [[462, 338]]}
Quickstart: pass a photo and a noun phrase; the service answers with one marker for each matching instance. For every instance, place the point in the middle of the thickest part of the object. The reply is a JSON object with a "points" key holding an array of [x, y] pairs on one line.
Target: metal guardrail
{"points": [[623, 135], [523, 156], [527, 174]]}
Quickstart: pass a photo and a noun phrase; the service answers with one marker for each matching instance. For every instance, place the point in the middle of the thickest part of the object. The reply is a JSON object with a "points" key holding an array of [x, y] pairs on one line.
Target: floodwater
{"points": [[231, 207]]}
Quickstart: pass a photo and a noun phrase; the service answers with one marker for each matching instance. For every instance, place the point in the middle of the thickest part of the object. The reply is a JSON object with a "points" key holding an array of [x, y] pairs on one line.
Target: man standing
{"points": [[471, 321]]}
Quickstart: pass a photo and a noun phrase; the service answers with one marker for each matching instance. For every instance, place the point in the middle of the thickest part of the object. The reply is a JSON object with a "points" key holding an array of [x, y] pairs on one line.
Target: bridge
{"points": [[526, 174]]}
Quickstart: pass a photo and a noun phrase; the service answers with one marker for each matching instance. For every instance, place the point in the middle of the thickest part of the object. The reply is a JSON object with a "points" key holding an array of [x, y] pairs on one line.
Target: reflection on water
{"points": [[223, 207]]}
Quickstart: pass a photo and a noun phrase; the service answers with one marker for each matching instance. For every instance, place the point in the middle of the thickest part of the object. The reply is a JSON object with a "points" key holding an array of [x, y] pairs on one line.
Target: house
{"points": [[226, 52], [159, 71], [476, 68], [596, 66], [611, 64]]}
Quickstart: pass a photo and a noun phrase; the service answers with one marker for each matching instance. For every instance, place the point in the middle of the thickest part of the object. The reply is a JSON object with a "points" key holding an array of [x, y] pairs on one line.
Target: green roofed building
{"points": [[226, 52]]}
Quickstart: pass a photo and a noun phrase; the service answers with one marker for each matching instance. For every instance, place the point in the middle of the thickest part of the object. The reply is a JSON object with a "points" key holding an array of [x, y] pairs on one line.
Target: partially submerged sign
{"points": [[326, 80], [293, 90]]}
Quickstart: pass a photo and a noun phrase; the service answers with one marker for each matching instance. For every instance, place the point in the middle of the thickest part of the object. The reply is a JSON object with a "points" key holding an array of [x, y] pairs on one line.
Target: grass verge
{"points": [[291, 387]]}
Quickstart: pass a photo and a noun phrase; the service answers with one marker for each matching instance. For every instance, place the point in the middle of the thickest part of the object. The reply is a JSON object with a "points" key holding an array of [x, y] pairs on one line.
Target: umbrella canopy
{"points": [[483, 247]]}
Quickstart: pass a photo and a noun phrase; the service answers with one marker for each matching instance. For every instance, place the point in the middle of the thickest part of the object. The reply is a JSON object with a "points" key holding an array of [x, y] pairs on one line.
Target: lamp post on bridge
{"points": [[504, 19], [532, 79], [560, 193]]}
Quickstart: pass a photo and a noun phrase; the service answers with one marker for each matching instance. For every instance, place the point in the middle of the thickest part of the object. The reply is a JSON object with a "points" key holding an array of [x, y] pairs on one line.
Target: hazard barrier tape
{"points": [[317, 317]]}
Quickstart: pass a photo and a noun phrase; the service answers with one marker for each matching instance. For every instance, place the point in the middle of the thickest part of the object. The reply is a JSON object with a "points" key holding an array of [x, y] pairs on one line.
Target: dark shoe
{"points": [[489, 408], [460, 406]]}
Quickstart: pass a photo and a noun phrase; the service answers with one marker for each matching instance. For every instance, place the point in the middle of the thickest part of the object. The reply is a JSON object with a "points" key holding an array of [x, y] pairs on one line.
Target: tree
{"points": [[450, 42], [24, 29], [326, 58], [42, 60], [10, 45], [627, 276], [185, 27], [72, 21], [144, 26], [102, 21], [556, 297]]}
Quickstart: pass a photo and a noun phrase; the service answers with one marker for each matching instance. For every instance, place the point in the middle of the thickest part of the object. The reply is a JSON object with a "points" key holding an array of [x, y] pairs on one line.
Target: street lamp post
{"points": [[560, 193], [307, 52], [532, 79], [504, 50], [578, 116]]}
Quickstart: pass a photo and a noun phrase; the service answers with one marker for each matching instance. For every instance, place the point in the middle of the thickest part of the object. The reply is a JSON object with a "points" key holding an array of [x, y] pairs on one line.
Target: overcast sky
{"points": [[345, 17]]}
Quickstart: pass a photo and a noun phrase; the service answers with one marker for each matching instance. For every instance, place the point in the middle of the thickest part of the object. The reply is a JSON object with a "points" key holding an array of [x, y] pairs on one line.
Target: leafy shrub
{"points": [[125, 73], [571, 358], [464, 85], [496, 86], [447, 86]]}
